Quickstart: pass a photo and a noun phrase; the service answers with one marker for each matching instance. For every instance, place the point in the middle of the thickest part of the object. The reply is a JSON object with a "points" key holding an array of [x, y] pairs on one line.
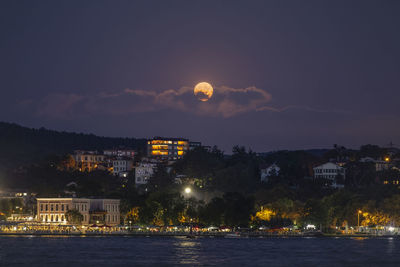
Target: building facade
{"points": [[266, 172], [121, 165], [143, 172], [88, 160], [53, 210], [167, 148], [331, 173], [119, 153], [193, 145]]}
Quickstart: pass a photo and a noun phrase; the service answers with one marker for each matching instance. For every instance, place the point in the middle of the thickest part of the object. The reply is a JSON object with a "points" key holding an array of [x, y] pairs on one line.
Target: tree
{"points": [[160, 179], [213, 212], [238, 209], [73, 216]]}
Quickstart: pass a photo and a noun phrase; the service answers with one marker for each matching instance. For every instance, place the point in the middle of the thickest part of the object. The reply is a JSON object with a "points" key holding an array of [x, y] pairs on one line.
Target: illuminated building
{"points": [[167, 148], [100, 211], [88, 160], [330, 172]]}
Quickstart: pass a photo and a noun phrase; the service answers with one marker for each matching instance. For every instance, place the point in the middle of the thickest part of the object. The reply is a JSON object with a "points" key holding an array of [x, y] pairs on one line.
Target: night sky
{"points": [[286, 74]]}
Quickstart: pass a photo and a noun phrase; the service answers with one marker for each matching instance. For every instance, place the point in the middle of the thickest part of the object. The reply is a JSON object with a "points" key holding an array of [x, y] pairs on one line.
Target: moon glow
{"points": [[203, 91]]}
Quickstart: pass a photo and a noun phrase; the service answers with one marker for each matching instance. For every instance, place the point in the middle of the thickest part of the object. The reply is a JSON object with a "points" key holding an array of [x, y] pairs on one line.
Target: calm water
{"points": [[138, 251]]}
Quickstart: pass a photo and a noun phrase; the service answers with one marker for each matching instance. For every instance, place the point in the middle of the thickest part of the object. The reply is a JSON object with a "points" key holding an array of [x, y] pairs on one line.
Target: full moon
{"points": [[203, 91]]}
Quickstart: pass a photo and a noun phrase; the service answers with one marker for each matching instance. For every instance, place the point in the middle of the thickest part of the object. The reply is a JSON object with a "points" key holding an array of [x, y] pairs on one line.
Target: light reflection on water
{"points": [[167, 251], [391, 245], [188, 252]]}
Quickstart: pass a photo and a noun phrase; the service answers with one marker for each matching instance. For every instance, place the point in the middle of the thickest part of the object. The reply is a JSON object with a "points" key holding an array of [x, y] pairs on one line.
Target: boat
{"points": [[232, 235]]}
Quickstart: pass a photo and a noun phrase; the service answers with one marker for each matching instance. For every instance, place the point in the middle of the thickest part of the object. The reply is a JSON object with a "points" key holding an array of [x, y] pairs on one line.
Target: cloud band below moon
{"points": [[226, 102]]}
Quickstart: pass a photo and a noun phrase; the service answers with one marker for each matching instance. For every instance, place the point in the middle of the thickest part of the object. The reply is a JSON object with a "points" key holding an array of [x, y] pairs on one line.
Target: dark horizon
{"points": [[286, 75]]}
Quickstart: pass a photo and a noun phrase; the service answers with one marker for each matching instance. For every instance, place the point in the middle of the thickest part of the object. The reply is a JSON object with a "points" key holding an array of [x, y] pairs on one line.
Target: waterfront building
{"points": [[268, 171], [167, 148], [143, 172], [53, 210], [331, 173], [88, 160]]}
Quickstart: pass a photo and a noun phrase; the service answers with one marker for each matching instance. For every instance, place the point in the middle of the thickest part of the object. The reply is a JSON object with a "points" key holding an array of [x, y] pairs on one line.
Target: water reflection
{"points": [[390, 246], [187, 251]]}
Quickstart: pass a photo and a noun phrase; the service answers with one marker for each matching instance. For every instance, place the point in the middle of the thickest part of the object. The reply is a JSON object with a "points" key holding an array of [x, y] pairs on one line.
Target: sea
{"points": [[203, 251]]}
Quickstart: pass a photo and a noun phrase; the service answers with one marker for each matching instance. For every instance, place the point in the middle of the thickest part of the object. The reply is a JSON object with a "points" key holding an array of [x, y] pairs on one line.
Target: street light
{"points": [[358, 219], [188, 190]]}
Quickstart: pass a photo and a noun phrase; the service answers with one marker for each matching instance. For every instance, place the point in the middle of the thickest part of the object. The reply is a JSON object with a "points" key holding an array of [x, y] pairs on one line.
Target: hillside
{"points": [[21, 145]]}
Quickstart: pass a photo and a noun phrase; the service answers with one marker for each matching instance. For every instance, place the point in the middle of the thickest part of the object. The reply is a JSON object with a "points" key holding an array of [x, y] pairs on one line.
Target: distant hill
{"points": [[21, 145], [318, 152]]}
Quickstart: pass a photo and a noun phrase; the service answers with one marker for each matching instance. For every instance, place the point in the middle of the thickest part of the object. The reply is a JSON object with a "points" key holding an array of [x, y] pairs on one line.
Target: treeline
{"points": [[22, 145]]}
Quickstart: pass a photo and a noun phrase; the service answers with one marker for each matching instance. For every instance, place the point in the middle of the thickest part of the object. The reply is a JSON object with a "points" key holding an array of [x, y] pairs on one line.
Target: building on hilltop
{"points": [[268, 171], [88, 160], [94, 211], [193, 145], [332, 174], [167, 148], [143, 172], [127, 153], [121, 166]]}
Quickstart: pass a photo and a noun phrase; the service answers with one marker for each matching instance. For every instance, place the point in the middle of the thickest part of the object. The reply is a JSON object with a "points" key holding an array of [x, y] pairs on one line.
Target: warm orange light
{"points": [[158, 152], [359, 211], [387, 159], [180, 153], [203, 91], [158, 147], [160, 142]]}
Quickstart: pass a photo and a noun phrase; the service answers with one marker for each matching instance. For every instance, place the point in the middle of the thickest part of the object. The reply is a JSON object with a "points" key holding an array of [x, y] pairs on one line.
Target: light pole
{"points": [[188, 190], [358, 219]]}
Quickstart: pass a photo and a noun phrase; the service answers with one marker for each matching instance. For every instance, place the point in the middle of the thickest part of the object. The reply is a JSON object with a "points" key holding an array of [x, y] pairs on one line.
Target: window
{"points": [[41, 207], [56, 207], [62, 207], [47, 207], [51, 208]]}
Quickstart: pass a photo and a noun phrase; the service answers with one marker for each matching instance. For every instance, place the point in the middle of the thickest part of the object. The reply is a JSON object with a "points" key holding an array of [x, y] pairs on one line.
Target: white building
{"points": [[382, 165], [122, 166], [367, 160], [143, 172], [94, 211], [120, 153], [266, 172], [330, 172]]}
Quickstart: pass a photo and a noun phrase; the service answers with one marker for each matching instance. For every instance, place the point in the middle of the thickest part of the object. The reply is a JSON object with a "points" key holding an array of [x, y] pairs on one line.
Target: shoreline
{"points": [[211, 235]]}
